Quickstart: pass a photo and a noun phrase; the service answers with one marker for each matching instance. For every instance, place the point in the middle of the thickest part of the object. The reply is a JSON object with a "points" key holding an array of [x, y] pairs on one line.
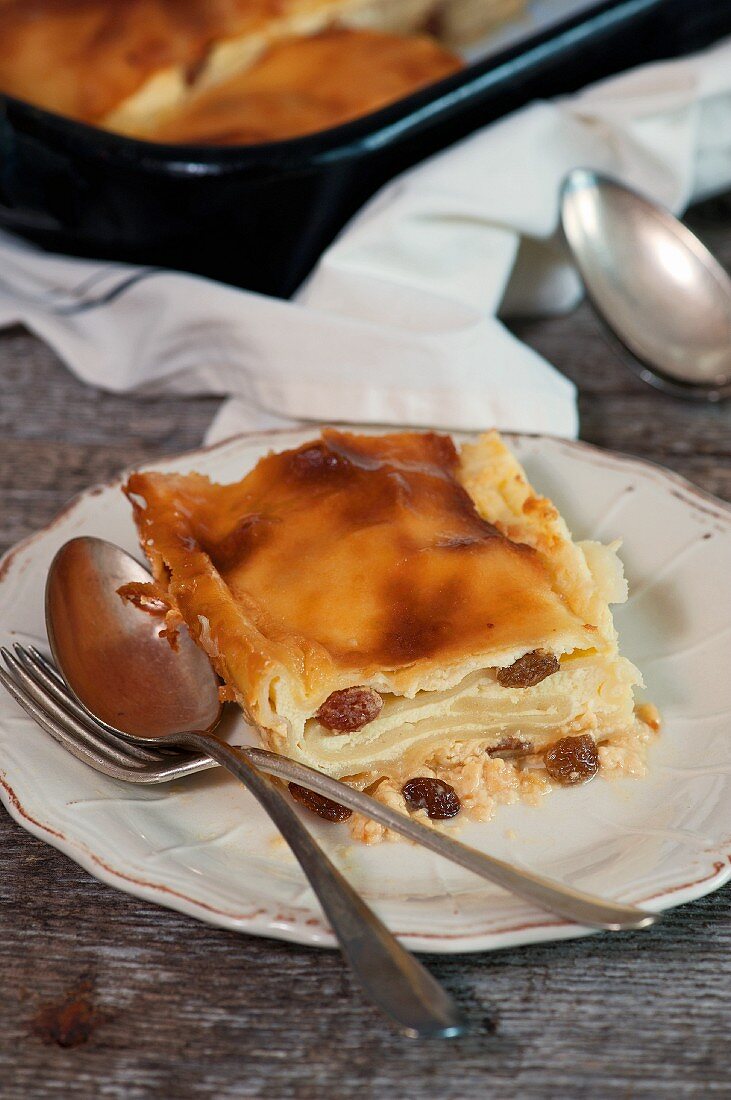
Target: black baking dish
{"points": [[259, 216]]}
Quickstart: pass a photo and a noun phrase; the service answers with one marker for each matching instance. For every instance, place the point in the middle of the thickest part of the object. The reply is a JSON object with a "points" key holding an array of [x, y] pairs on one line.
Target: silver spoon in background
{"points": [[657, 289], [111, 656]]}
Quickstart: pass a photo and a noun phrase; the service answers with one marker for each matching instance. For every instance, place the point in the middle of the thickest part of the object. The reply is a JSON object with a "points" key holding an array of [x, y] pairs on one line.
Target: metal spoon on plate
{"points": [[112, 658], [655, 286]]}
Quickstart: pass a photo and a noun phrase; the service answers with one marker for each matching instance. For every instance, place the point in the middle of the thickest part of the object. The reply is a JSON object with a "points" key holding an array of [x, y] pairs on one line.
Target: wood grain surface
{"points": [[107, 996]]}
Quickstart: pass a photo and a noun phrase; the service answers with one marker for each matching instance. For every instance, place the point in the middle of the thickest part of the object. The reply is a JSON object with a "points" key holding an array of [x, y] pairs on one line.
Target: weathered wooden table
{"points": [[107, 996]]}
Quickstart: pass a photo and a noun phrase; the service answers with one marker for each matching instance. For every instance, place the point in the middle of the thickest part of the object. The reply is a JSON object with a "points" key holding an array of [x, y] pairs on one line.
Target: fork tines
{"points": [[41, 691]]}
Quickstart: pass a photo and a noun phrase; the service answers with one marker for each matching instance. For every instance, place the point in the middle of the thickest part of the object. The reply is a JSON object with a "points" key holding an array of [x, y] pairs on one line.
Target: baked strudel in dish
{"points": [[413, 619], [133, 65]]}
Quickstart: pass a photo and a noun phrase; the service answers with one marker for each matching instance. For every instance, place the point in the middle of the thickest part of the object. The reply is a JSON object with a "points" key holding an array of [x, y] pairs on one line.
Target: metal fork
{"points": [[390, 975], [38, 687]]}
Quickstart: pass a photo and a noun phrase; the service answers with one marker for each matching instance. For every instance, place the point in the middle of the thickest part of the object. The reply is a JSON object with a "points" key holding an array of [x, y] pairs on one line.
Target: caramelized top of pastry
{"points": [[308, 84], [352, 552], [84, 57]]}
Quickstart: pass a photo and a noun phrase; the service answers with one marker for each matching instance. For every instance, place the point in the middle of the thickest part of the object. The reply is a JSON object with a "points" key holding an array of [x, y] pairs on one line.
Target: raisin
{"points": [[572, 760], [350, 709], [316, 460], [439, 799], [325, 808], [528, 670]]}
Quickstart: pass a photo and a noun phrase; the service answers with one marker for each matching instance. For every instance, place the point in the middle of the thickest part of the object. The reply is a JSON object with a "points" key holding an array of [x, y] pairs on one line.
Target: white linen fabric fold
{"points": [[400, 323]]}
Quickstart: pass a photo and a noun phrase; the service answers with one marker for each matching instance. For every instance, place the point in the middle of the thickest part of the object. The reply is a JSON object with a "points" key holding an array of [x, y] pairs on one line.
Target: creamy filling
{"points": [[589, 693], [483, 782]]}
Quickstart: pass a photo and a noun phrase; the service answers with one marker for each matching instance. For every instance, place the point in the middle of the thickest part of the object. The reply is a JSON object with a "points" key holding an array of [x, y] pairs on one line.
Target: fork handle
{"points": [[389, 974]]}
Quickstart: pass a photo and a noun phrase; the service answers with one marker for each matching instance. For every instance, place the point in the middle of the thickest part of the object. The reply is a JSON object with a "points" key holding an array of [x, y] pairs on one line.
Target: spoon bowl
{"points": [[111, 653], [655, 286]]}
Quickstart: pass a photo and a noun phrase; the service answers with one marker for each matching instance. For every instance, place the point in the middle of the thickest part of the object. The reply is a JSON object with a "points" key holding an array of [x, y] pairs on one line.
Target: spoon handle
{"points": [[392, 977]]}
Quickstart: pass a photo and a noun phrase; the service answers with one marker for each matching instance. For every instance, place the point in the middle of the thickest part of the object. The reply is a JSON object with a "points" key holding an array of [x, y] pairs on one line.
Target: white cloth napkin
{"points": [[400, 322]]}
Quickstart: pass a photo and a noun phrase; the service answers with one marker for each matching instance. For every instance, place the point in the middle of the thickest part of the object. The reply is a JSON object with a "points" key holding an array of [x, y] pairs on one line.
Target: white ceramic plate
{"points": [[204, 847]]}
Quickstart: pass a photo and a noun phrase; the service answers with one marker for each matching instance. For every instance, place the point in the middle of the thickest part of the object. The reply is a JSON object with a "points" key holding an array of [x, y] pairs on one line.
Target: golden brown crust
{"points": [[82, 57], [349, 558], [308, 84]]}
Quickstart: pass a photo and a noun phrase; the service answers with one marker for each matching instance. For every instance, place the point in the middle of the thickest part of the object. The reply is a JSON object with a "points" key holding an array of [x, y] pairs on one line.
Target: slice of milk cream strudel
{"points": [[411, 618]]}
